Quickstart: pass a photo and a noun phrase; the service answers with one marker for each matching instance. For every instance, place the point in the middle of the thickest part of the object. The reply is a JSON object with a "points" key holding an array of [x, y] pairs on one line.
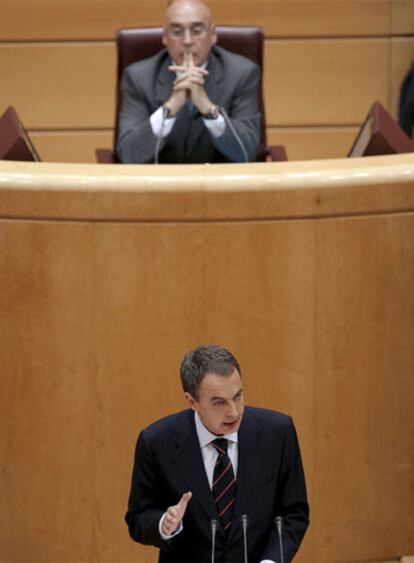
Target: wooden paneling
{"points": [[99, 19], [364, 380], [402, 17], [172, 193], [320, 82], [119, 389], [96, 315], [314, 82], [161, 285], [48, 443], [301, 143], [70, 146], [302, 18], [313, 142], [402, 56], [58, 85]]}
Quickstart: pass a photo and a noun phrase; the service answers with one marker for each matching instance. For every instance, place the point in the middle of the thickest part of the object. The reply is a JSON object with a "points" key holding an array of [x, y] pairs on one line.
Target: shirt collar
{"points": [[205, 437]]}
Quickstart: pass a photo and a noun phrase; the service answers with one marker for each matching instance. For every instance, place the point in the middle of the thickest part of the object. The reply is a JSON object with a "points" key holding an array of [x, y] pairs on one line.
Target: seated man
{"points": [[193, 102]]}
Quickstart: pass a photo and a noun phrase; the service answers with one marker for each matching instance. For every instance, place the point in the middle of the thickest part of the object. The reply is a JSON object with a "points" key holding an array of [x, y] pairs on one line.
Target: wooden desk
{"points": [[109, 274]]}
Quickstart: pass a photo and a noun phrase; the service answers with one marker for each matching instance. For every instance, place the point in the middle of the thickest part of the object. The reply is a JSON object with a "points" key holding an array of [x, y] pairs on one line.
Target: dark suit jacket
{"points": [[232, 83], [270, 482]]}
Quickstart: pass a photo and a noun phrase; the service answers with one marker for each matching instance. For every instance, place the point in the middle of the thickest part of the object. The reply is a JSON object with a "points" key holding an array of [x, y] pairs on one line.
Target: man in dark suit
{"points": [[193, 102], [216, 469]]}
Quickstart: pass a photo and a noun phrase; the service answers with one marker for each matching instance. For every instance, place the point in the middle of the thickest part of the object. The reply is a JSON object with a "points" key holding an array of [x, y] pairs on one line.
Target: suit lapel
{"points": [[189, 461], [215, 80], [164, 82]]}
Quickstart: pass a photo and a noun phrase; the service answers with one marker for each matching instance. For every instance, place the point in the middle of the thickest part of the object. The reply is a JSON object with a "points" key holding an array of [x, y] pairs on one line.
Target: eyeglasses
{"points": [[196, 31]]}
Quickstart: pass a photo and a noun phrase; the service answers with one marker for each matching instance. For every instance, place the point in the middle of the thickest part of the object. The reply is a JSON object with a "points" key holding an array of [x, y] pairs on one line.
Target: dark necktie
{"points": [[224, 483]]}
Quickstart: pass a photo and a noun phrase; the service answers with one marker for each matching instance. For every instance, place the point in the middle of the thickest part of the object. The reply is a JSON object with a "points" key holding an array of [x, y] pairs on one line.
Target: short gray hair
{"points": [[205, 359]]}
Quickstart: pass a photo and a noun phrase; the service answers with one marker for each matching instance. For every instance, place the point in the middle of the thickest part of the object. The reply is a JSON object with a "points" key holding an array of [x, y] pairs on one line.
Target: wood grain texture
{"points": [[100, 19], [70, 146], [402, 17], [320, 82], [48, 440], [313, 142], [71, 85], [313, 82], [165, 288], [172, 193], [96, 315], [301, 143], [364, 381]]}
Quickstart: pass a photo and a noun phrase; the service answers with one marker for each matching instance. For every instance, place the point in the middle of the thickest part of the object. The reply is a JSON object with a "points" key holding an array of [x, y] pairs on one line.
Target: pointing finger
{"points": [[182, 505]]}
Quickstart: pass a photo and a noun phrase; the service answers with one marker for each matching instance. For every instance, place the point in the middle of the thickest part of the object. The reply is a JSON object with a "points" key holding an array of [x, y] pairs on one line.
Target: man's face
{"points": [[220, 404], [188, 30]]}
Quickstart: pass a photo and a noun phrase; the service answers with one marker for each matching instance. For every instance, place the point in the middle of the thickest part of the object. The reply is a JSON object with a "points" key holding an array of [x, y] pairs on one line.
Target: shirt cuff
{"points": [[161, 127], [216, 126], [267, 561], [165, 536]]}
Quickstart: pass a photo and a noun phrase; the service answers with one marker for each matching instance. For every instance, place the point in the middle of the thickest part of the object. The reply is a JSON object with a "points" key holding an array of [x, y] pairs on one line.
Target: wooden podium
{"points": [[109, 274]]}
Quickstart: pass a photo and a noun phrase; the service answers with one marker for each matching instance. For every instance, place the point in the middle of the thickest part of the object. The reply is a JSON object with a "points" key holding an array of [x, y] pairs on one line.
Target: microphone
{"points": [[213, 524], [245, 522], [233, 130], [278, 524]]}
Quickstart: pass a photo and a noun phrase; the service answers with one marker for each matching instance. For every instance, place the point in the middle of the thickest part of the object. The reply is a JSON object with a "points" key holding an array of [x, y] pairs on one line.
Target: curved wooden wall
{"points": [[326, 62], [108, 275]]}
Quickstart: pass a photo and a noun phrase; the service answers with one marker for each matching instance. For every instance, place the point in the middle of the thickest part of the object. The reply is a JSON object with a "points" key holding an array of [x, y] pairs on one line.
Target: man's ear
{"points": [[213, 32], [164, 39], [192, 403]]}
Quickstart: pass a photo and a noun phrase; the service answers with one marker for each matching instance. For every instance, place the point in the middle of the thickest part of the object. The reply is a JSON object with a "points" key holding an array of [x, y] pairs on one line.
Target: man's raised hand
{"points": [[174, 514]]}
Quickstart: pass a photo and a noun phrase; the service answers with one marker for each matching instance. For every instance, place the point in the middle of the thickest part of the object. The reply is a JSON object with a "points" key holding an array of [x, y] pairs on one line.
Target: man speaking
{"points": [[219, 481], [193, 102]]}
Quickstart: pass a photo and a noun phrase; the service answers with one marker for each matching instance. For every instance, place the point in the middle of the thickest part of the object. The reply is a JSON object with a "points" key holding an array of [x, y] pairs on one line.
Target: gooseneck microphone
{"points": [[245, 522], [213, 524], [278, 524], [235, 134]]}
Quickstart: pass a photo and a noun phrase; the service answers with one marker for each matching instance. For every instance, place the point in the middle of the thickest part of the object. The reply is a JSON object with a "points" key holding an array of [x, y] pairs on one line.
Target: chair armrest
{"points": [[277, 153], [104, 156]]}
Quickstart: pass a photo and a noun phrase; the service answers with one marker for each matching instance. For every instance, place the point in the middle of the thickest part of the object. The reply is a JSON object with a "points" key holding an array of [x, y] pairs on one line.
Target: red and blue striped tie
{"points": [[224, 484]]}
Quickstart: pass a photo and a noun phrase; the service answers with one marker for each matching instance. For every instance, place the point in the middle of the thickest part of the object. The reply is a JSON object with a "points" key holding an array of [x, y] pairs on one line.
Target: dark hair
{"points": [[205, 359]]}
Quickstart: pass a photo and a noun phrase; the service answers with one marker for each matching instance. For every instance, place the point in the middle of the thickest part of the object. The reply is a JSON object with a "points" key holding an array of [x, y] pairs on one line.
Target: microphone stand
{"points": [[235, 134], [213, 524], [245, 522], [278, 524]]}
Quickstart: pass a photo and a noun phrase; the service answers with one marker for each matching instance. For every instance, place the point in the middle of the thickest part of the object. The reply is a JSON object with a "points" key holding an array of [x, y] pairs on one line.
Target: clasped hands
{"points": [[189, 84], [174, 515]]}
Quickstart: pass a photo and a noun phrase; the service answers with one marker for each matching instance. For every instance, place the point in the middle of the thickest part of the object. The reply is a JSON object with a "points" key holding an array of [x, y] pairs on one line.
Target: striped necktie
{"points": [[224, 483]]}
